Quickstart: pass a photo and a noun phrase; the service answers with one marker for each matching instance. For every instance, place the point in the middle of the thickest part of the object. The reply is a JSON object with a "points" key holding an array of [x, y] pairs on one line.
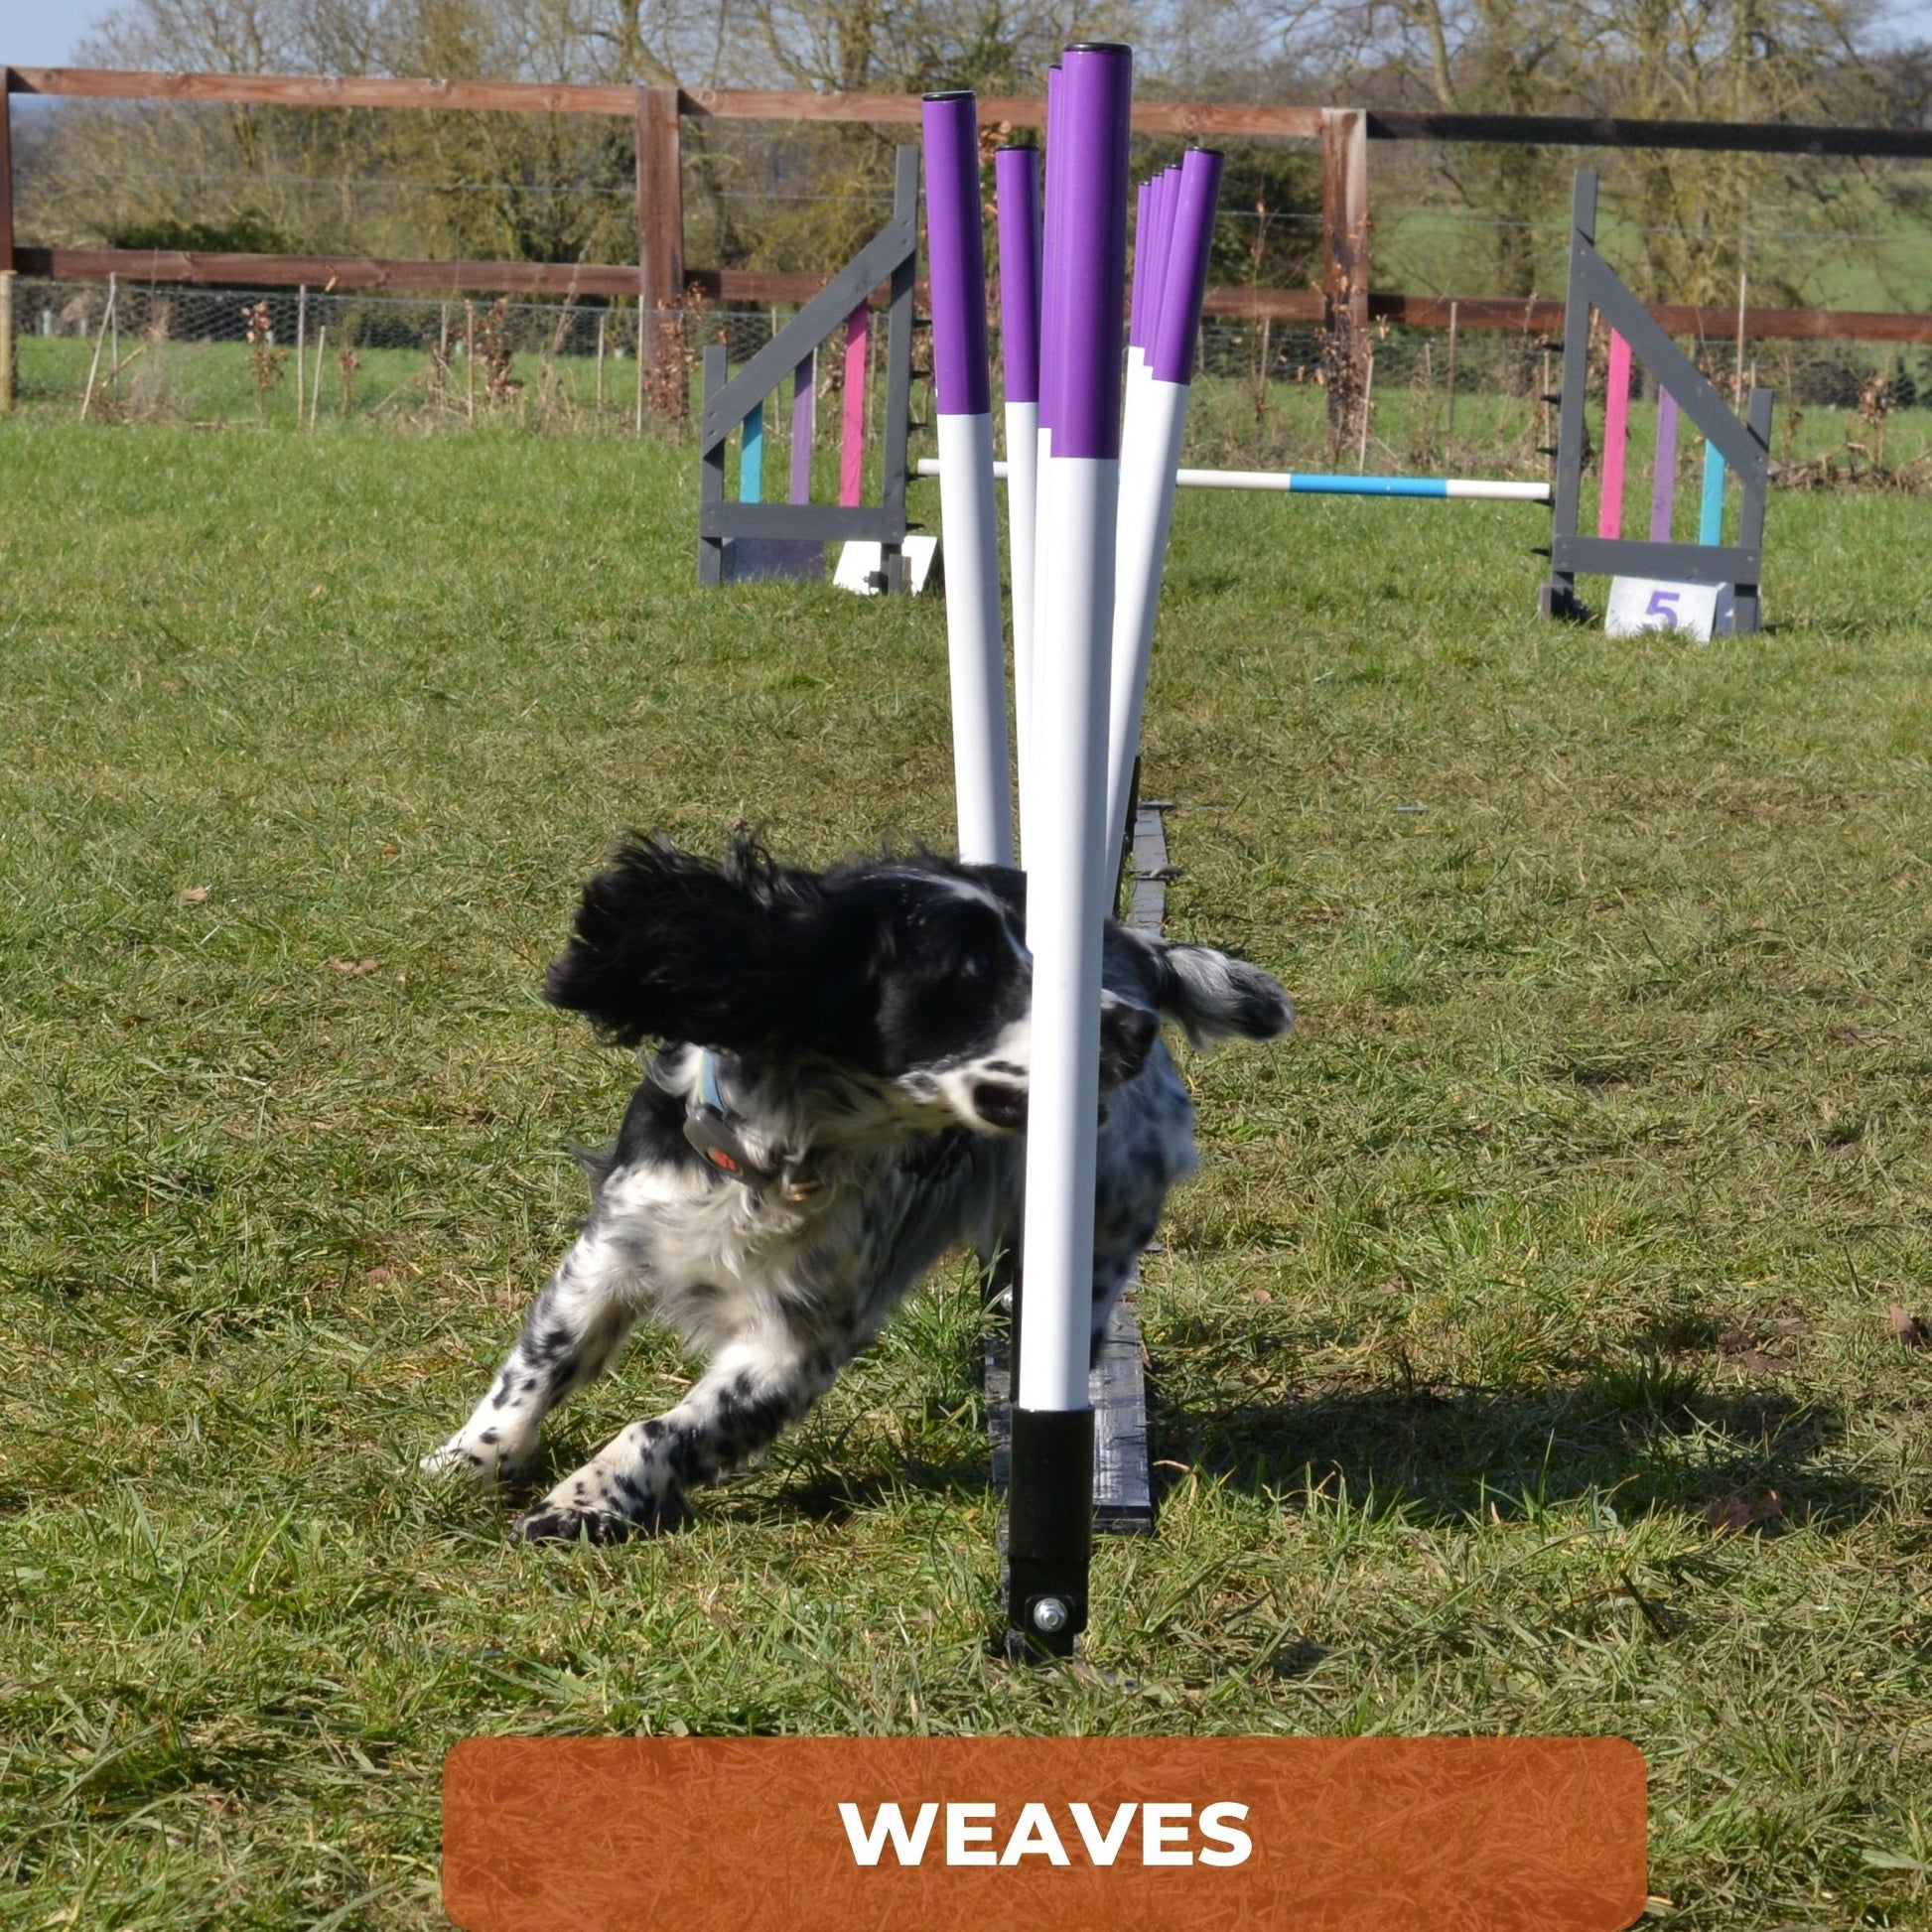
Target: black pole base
{"points": [[1049, 1531]]}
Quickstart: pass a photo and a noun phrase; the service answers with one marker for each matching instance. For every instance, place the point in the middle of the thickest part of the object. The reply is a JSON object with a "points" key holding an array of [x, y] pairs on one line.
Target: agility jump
{"points": [[1743, 449]]}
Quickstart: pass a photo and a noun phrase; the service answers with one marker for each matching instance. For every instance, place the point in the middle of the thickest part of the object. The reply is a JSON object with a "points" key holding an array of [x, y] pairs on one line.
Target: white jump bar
{"points": [[1466, 489]]}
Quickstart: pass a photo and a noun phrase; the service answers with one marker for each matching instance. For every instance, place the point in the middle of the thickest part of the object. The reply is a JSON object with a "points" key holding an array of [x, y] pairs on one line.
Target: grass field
{"points": [[1427, 250], [1521, 1357]]}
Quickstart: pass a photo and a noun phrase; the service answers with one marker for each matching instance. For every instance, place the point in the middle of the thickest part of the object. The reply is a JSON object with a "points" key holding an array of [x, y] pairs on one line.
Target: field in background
{"points": [[1858, 411], [1521, 1358], [1870, 257]]}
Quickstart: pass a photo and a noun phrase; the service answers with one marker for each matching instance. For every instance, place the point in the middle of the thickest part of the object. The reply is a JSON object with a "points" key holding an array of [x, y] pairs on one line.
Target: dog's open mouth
{"points": [[999, 1105]]}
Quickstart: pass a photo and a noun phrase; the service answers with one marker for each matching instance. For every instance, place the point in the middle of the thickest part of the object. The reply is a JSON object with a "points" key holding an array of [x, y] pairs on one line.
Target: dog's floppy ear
{"points": [[672, 946]]}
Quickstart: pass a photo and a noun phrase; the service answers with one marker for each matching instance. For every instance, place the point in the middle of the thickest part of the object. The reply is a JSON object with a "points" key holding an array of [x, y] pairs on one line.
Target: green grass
{"points": [[1567, 1225], [1873, 256]]}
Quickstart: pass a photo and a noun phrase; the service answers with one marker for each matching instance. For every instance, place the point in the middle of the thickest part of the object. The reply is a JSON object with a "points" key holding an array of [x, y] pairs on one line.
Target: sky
{"points": [[43, 33]]}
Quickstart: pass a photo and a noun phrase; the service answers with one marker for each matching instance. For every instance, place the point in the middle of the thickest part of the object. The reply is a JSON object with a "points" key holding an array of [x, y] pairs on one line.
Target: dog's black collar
{"points": [[713, 1129]]}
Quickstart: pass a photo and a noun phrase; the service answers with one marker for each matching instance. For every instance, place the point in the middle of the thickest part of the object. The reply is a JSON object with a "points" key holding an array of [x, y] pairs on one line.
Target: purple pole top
{"points": [[1099, 99], [1144, 303], [1016, 175], [1137, 300], [1165, 186], [956, 253], [1049, 276], [1187, 280]]}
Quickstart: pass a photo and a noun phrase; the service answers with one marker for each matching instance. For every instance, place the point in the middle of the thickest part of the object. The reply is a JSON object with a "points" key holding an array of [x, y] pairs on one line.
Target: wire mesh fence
{"points": [[1484, 401], [1477, 404]]}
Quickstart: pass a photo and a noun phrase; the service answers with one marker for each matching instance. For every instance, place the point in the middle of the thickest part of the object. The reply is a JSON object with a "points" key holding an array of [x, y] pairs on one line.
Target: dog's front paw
{"points": [[563, 1522], [557, 1523], [485, 1457]]}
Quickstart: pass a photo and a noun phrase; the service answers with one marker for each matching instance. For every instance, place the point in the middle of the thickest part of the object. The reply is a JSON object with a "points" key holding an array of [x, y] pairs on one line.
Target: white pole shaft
{"points": [[1020, 470], [1133, 415], [970, 532], [1044, 528], [1067, 883], [1141, 550]]}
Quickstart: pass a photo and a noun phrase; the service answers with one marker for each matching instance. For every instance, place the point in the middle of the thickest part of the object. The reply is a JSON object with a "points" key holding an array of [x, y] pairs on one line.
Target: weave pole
{"points": [[968, 512], [1165, 206], [1148, 481], [1049, 1526], [1139, 353], [1016, 175], [1051, 280], [1154, 225]]}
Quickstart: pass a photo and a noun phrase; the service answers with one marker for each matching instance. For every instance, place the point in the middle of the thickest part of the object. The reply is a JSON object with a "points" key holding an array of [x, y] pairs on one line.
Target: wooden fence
{"points": [[1344, 305]]}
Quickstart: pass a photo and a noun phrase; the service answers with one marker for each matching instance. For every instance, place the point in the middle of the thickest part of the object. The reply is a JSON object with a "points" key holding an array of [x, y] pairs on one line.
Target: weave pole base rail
{"points": [[1123, 1476], [1123, 1471]]}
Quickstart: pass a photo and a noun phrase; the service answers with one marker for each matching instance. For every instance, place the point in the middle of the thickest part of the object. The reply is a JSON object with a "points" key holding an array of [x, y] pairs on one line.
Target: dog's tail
{"points": [[1217, 997]]}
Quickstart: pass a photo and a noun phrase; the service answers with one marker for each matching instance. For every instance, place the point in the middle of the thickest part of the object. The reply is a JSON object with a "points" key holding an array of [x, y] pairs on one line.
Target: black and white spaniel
{"points": [[840, 1099]]}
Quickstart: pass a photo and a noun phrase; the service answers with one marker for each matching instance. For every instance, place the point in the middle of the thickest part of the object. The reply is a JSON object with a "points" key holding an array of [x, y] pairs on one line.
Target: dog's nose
{"points": [[999, 1104]]}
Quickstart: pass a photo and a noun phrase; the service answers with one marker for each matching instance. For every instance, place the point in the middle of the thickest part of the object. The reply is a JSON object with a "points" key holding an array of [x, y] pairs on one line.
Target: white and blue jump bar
{"points": [[1475, 489], [1309, 483]]}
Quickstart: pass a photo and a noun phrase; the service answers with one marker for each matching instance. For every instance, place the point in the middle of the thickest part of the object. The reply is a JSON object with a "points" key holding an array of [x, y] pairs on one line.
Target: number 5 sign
{"points": [[1642, 604]]}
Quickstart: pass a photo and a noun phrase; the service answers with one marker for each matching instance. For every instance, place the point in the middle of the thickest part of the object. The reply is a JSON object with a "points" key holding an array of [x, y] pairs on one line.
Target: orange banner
{"points": [[1058, 1834]]}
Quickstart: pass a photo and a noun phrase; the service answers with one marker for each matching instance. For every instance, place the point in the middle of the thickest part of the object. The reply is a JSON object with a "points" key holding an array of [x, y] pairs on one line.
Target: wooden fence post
{"points": [[6, 242], [660, 250], [1345, 272]]}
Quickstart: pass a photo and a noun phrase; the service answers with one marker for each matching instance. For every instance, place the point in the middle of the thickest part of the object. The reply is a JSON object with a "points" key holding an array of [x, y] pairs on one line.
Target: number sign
{"points": [[1642, 604]]}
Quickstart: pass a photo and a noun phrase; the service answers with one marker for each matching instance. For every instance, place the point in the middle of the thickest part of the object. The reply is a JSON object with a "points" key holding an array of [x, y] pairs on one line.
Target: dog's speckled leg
{"points": [[571, 1336], [637, 1482]]}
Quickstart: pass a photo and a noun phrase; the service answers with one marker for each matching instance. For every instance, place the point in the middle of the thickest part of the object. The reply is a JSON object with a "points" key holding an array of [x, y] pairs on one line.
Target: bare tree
{"points": [[237, 177], [1694, 60], [560, 187]]}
